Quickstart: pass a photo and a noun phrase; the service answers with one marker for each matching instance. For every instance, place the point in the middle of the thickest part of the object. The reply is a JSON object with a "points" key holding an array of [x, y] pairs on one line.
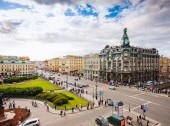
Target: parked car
{"points": [[112, 88], [85, 85], [110, 102], [80, 86], [101, 121], [31, 122]]}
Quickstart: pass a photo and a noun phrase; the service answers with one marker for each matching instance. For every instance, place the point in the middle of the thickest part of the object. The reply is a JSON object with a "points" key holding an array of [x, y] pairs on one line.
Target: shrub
{"points": [[21, 92], [19, 79], [55, 98], [68, 97], [51, 97], [60, 101]]}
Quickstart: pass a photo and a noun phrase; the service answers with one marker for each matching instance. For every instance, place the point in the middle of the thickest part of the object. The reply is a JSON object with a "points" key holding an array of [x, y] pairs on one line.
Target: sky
{"points": [[45, 29]]}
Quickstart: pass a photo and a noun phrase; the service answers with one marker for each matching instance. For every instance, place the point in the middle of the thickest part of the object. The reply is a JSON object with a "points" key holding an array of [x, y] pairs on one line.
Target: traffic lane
{"points": [[128, 91], [80, 118], [161, 100], [157, 113], [116, 95]]}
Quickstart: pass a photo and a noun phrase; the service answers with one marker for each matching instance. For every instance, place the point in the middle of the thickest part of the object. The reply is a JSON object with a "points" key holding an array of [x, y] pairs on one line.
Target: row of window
{"points": [[15, 69]]}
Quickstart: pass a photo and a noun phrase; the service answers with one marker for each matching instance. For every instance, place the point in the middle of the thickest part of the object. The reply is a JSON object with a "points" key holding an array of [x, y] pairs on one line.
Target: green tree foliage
{"points": [[19, 79]]}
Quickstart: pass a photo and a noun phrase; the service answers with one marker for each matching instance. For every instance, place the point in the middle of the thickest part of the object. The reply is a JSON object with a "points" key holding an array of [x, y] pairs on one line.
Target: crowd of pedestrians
{"points": [[11, 105], [34, 104]]}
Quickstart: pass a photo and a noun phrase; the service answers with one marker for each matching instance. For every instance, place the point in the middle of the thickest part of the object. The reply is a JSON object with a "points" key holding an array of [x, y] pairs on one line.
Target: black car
{"points": [[101, 121], [110, 102]]}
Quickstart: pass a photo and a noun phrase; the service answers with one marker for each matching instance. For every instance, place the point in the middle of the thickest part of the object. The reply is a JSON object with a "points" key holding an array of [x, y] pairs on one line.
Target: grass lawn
{"points": [[72, 103], [33, 83]]}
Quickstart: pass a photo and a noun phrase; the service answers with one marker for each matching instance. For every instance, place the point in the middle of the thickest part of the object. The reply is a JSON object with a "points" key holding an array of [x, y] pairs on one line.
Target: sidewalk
{"points": [[134, 115]]}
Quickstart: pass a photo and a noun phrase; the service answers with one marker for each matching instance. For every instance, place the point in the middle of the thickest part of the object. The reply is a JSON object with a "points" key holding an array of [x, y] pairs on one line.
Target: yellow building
{"points": [[72, 65], [164, 73], [16, 67], [53, 64]]}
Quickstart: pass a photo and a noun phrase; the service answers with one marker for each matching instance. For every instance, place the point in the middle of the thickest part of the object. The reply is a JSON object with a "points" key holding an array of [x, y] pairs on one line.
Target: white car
{"points": [[31, 122], [112, 88]]}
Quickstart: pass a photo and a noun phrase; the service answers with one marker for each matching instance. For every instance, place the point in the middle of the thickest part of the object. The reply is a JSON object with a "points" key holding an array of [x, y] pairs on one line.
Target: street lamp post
{"points": [[96, 90], [75, 82], [67, 80], [93, 95]]}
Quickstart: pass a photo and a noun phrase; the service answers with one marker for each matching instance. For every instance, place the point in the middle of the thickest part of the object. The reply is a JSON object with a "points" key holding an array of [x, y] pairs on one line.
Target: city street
{"points": [[132, 98]]}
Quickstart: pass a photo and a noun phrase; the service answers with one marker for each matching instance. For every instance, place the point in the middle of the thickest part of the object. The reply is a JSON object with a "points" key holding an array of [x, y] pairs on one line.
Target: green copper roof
{"points": [[125, 39], [15, 62]]}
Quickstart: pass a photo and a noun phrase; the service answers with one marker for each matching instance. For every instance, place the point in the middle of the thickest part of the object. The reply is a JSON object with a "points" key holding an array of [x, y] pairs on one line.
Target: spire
{"points": [[125, 39]]}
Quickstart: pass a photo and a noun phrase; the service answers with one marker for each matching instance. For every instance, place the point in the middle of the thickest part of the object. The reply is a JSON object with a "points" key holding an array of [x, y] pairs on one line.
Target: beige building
{"points": [[16, 67], [70, 64], [24, 58], [91, 66], [53, 64], [164, 72]]}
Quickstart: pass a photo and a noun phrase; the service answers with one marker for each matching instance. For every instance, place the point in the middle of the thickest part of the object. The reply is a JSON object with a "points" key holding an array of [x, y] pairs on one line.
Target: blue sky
{"points": [[44, 29], [5, 5]]}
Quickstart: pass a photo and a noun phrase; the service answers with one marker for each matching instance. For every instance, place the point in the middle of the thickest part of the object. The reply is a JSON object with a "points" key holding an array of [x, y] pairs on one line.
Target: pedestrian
{"points": [[47, 108], [13, 102], [55, 106], [137, 119], [147, 123], [13, 105], [61, 112], [35, 104], [10, 105], [72, 110], [64, 113], [80, 107], [99, 103]]}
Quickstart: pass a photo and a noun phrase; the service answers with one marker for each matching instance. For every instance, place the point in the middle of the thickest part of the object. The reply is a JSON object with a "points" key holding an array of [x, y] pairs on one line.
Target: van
{"points": [[31, 122]]}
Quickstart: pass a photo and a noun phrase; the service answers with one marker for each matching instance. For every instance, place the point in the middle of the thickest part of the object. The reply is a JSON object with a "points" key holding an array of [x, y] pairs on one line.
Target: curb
{"points": [[53, 111], [147, 118]]}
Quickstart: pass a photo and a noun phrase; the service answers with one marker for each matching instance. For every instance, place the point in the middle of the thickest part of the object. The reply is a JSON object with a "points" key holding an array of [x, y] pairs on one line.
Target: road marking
{"points": [[136, 95]]}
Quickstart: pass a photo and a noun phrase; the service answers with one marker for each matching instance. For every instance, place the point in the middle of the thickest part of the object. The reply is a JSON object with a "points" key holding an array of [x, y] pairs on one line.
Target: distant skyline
{"points": [[45, 29]]}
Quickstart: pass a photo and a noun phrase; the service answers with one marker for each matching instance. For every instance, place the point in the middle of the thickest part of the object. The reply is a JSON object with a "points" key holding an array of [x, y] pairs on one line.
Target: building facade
{"points": [[91, 66], [164, 68], [53, 64], [128, 64], [72, 65], [16, 67]]}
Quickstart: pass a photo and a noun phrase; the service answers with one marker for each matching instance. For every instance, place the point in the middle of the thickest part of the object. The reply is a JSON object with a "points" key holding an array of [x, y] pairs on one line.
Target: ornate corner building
{"points": [[128, 64]]}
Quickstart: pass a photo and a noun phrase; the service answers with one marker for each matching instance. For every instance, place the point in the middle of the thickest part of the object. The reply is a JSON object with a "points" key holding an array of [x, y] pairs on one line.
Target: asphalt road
{"points": [[159, 105]]}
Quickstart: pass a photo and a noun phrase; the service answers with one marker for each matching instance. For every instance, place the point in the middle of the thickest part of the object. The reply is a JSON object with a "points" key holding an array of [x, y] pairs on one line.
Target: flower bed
{"points": [[20, 115]]}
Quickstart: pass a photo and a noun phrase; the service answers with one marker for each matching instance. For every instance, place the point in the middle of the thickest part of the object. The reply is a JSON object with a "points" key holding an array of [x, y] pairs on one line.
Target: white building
{"points": [[91, 66]]}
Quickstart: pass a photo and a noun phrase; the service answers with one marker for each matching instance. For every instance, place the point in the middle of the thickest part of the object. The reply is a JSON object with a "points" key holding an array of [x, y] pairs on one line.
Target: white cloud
{"points": [[41, 36]]}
